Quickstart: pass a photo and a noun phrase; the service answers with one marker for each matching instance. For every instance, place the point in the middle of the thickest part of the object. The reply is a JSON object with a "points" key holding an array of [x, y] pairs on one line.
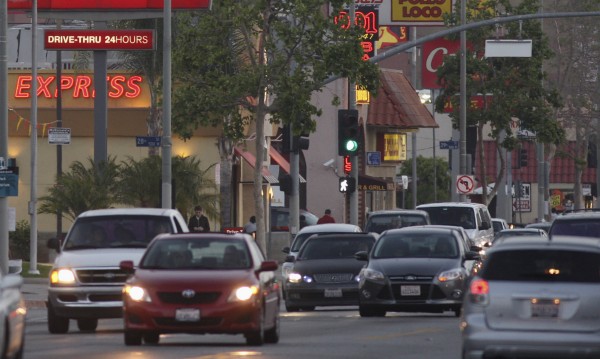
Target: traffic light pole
{"points": [[353, 197]]}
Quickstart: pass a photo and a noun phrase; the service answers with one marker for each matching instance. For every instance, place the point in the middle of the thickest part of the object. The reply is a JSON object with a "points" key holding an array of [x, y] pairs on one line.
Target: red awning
{"points": [[251, 160], [282, 162]]}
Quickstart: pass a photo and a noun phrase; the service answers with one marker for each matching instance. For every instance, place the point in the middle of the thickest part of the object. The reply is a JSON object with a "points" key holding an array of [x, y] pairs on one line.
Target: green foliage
{"points": [[425, 184], [19, 241], [83, 188]]}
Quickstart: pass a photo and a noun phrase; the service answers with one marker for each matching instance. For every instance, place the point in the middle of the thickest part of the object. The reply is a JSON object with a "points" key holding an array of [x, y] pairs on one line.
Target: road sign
{"points": [[465, 184], [374, 158], [147, 141], [59, 136], [9, 183], [448, 145]]}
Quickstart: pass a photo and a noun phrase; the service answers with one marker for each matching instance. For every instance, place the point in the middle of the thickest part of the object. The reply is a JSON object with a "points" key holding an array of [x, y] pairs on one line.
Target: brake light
{"points": [[479, 291]]}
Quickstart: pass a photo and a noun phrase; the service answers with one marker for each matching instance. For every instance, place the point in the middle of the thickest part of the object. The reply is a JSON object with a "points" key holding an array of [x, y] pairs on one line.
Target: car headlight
{"points": [[62, 276], [372, 274], [285, 271], [449, 275], [295, 277], [137, 293], [243, 293]]}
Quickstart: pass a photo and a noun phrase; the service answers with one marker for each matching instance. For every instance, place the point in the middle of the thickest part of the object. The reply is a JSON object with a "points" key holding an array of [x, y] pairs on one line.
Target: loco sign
{"points": [[419, 11]]}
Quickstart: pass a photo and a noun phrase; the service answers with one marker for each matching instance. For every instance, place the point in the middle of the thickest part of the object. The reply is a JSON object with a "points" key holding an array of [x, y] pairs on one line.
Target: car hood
{"points": [[106, 257], [343, 265], [182, 279], [420, 266]]}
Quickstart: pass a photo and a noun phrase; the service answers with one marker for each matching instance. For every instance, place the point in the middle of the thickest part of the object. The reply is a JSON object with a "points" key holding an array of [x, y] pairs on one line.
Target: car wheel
{"points": [[87, 324], [272, 335], [132, 338], [56, 324], [257, 337], [152, 338], [367, 311], [291, 308]]}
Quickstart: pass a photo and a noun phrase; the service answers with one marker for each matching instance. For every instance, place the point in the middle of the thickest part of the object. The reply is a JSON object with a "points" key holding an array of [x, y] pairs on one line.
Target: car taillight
{"points": [[479, 291]]}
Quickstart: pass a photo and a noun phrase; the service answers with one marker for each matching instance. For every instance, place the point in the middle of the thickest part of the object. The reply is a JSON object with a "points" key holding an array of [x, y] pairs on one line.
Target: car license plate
{"points": [[333, 293], [187, 315], [547, 309], [410, 290]]}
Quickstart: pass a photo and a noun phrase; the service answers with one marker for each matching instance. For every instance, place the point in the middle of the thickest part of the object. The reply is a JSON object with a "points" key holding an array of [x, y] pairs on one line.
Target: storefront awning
{"points": [[251, 160], [282, 162], [368, 183]]}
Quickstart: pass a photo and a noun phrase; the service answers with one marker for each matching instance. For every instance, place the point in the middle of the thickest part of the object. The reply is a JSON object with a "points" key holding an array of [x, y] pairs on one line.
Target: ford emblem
{"points": [[188, 293], [411, 277]]}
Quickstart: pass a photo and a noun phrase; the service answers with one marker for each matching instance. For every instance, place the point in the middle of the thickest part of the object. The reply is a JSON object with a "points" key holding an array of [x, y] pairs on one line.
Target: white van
{"points": [[473, 217]]}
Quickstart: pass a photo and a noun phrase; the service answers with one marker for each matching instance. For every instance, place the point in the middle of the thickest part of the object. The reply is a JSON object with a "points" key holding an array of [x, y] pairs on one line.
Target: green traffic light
{"points": [[351, 145]]}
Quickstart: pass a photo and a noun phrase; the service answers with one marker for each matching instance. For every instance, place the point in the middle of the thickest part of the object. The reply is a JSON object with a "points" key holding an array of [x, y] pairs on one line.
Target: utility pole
{"points": [[3, 131], [353, 197]]}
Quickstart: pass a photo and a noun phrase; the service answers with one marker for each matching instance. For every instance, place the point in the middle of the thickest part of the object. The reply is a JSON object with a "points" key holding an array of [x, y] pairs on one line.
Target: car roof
{"points": [[214, 235], [428, 228], [330, 227], [451, 204], [577, 215], [397, 211], [129, 212], [350, 235], [521, 230], [537, 242]]}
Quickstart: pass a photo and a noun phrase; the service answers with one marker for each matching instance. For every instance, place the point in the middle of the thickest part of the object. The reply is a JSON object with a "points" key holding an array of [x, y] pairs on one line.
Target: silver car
{"points": [[534, 297]]}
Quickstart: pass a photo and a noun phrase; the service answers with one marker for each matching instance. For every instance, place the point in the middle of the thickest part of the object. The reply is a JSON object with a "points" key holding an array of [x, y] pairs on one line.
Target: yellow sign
{"points": [[420, 10], [394, 147], [362, 95]]}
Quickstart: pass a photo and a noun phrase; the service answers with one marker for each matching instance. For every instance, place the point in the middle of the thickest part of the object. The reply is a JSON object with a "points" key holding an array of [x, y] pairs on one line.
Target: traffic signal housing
{"points": [[347, 184], [348, 134], [291, 143], [522, 157]]}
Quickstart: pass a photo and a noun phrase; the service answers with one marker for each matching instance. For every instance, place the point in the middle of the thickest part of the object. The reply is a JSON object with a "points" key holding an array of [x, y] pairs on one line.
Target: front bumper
{"points": [[86, 301], [339, 294], [229, 318]]}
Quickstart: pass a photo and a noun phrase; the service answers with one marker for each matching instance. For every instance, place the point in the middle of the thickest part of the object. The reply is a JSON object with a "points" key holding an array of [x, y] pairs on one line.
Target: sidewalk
{"points": [[35, 292]]}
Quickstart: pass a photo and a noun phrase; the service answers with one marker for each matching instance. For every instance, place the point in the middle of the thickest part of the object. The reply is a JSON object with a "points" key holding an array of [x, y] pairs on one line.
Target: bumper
{"points": [[232, 318], [86, 302], [480, 342], [321, 295]]}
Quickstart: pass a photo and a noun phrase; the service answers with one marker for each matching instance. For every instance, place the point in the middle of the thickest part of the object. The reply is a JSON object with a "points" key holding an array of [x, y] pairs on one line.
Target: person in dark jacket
{"points": [[198, 222]]}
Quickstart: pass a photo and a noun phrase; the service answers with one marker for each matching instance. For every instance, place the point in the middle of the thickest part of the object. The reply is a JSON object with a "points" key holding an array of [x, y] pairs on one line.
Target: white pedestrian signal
{"points": [[347, 185], [343, 185]]}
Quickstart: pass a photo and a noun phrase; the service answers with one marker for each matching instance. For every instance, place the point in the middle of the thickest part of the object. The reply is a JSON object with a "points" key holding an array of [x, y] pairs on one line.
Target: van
{"points": [[473, 217]]}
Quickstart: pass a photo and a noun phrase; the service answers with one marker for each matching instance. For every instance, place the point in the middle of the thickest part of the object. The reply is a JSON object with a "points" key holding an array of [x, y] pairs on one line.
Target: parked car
{"points": [[379, 221], [325, 272], [85, 280], [414, 269], [304, 233], [580, 224], [473, 217], [534, 297], [280, 218], [12, 315], [202, 283], [499, 224]]}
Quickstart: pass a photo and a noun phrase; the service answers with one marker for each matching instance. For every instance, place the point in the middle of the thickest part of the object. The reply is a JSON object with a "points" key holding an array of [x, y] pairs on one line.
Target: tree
{"points": [[575, 74], [425, 189], [516, 84], [248, 62]]}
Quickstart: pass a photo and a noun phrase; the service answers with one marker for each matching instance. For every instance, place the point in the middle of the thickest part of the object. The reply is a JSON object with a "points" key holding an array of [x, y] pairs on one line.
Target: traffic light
{"points": [[300, 143], [293, 143], [347, 185], [348, 134], [286, 139], [522, 157]]}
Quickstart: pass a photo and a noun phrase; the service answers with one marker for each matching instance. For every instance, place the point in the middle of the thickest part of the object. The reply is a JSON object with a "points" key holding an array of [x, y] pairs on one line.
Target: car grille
{"points": [[101, 276], [333, 277], [197, 298], [427, 288], [171, 322]]}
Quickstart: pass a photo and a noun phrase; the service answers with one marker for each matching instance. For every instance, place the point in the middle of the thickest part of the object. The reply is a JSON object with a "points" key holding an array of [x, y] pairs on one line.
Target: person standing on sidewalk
{"points": [[199, 223], [327, 218]]}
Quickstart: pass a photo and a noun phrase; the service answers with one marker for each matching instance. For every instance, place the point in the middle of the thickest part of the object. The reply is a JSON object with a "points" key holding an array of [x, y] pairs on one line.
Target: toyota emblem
{"points": [[188, 293]]}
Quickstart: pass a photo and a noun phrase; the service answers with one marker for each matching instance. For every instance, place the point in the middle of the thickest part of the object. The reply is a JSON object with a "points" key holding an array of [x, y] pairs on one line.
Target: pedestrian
{"points": [[199, 223], [327, 218], [250, 227]]}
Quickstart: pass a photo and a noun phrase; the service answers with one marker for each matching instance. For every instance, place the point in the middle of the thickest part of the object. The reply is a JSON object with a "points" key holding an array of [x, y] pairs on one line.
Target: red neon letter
{"points": [[23, 84]]}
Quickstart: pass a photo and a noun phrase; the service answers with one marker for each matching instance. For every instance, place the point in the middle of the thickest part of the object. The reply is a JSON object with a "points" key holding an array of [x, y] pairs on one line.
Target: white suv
{"points": [[85, 281]]}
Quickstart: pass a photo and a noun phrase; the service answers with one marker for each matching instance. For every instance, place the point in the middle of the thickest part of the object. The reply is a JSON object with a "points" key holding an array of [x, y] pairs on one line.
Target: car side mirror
{"points": [[127, 267], [268, 266], [361, 256], [476, 248], [54, 243], [485, 225], [470, 255], [290, 259], [285, 249]]}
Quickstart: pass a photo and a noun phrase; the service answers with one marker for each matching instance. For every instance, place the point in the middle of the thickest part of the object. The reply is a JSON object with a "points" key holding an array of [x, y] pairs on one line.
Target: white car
{"points": [[12, 314], [304, 233], [86, 281]]}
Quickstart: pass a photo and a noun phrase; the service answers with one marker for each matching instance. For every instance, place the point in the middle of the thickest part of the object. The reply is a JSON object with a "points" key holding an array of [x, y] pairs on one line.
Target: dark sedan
{"points": [[202, 283], [414, 269], [325, 272]]}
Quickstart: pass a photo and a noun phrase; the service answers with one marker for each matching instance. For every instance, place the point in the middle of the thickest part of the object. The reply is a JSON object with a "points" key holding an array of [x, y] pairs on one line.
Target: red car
{"points": [[202, 283]]}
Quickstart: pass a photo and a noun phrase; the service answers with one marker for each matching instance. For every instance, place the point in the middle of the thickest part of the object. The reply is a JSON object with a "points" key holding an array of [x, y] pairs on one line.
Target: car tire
{"points": [[369, 311], [272, 335], [291, 308], [257, 337], [132, 337], [152, 338], [56, 324], [87, 324]]}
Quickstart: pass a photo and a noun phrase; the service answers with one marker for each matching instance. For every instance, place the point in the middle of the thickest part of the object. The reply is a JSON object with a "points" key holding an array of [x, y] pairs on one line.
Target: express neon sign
{"points": [[81, 86]]}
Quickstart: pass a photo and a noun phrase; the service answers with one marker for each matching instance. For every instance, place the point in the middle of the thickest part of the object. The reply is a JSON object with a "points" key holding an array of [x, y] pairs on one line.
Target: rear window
{"points": [[335, 248], [542, 266], [380, 223], [581, 227], [452, 216]]}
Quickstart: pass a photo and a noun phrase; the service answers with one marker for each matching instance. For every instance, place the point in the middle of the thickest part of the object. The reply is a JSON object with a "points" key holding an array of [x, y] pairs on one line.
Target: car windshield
{"points": [[115, 232], [197, 253], [452, 216], [416, 245], [542, 265], [335, 248], [380, 223], [577, 227]]}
